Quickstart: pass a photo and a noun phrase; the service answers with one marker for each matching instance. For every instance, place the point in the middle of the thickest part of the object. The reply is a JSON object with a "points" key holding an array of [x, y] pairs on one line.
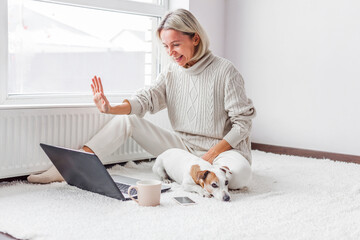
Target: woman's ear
{"points": [[196, 39]]}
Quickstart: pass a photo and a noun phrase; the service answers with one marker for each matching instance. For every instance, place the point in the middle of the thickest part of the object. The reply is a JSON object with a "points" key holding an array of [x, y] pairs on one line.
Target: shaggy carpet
{"points": [[288, 198]]}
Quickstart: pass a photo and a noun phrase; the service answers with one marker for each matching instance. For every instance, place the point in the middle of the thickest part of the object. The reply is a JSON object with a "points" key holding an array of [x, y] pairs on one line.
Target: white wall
{"points": [[211, 15], [175, 4], [301, 63]]}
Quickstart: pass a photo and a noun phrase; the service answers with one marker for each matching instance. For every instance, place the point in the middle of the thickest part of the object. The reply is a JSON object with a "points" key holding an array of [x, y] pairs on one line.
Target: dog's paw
{"points": [[206, 194]]}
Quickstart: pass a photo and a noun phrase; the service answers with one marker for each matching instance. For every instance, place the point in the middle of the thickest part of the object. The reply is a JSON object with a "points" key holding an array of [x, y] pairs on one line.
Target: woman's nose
{"points": [[170, 51]]}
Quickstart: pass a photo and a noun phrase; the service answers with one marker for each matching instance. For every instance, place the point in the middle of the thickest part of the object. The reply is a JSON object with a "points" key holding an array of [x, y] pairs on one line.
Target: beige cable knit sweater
{"points": [[206, 103]]}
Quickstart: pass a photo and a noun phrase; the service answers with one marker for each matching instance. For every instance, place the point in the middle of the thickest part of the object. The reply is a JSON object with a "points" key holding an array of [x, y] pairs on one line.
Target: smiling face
{"points": [[179, 46]]}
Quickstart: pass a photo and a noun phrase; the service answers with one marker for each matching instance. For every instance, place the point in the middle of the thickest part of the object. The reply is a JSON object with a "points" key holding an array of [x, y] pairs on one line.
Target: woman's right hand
{"points": [[100, 100]]}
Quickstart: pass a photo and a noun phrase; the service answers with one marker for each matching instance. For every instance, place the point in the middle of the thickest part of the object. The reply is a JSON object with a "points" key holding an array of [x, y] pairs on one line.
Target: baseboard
{"points": [[305, 153]]}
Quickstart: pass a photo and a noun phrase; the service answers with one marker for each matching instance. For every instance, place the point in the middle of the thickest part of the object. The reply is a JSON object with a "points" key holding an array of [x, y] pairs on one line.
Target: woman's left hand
{"points": [[210, 156], [213, 152]]}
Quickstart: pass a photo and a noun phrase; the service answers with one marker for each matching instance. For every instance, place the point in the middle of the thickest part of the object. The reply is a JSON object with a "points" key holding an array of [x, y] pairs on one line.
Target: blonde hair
{"points": [[184, 21]]}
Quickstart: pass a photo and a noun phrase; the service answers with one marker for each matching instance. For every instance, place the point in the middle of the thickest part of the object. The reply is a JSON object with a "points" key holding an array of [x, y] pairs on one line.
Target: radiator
{"points": [[21, 131]]}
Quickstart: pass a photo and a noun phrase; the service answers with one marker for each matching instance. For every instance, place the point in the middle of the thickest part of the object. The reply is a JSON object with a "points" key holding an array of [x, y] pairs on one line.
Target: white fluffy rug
{"points": [[289, 198]]}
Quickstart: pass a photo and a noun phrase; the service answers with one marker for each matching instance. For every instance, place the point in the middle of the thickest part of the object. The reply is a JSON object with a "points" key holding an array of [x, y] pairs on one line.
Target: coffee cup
{"points": [[148, 192]]}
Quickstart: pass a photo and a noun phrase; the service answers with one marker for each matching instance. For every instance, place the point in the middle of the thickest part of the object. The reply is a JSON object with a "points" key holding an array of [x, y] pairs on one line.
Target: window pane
{"points": [[58, 48]]}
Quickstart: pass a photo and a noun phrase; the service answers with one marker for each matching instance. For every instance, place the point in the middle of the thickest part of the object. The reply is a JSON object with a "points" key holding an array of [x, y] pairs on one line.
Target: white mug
{"points": [[148, 192]]}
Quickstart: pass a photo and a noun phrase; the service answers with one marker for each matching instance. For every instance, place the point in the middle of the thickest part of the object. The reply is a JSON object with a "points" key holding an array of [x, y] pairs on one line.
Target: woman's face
{"points": [[179, 46]]}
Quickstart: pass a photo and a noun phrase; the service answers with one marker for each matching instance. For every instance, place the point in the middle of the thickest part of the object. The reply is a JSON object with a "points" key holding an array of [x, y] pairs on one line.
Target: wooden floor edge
{"points": [[305, 153]]}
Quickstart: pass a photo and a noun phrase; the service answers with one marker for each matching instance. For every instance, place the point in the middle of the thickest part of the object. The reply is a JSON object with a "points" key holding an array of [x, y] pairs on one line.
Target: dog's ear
{"points": [[201, 176], [226, 170], [201, 183]]}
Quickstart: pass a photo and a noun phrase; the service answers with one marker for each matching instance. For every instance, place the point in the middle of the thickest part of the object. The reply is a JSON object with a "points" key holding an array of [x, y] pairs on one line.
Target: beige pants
{"points": [[156, 140]]}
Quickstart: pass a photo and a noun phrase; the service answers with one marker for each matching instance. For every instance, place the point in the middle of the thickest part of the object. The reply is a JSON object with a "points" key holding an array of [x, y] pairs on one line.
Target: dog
{"points": [[193, 173]]}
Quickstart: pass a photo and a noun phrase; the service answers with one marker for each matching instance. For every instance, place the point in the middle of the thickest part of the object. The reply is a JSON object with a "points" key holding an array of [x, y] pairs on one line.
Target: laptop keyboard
{"points": [[124, 188]]}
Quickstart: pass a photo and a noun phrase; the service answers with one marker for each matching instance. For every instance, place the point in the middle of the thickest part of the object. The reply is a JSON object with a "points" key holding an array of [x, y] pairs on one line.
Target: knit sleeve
{"points": [[149, 100], [240, 110]]}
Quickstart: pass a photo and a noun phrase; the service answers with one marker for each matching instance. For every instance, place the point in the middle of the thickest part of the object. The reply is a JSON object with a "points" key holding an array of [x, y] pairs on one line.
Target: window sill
{"points": [[46, 106], [56, 101]]}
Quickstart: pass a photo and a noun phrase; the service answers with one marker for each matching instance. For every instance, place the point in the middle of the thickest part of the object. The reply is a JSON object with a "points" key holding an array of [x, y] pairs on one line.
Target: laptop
{"points": [[85, 171]]}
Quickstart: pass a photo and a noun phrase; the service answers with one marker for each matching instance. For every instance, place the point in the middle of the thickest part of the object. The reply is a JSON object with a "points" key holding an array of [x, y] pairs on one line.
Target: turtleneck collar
{"points": [[200, 65]]}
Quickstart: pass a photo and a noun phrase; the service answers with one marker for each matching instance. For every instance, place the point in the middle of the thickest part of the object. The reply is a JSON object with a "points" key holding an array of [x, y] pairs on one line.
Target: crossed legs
{"points": [[154, 140]]}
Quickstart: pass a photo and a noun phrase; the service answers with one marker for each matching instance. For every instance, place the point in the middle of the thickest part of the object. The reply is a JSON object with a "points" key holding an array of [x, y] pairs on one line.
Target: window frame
{"points": [[31, 100]]}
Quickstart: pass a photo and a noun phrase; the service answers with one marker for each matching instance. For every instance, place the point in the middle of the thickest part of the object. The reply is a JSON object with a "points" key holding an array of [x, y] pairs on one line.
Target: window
{"points": [[54, 49]]}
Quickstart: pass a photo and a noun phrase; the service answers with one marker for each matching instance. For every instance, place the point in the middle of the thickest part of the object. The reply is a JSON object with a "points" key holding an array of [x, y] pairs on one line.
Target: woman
{"points": [[206, 101]]}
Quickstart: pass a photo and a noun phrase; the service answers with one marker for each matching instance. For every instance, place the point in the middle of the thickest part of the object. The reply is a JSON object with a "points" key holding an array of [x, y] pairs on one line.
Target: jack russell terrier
{"points": [[193, 173]]}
